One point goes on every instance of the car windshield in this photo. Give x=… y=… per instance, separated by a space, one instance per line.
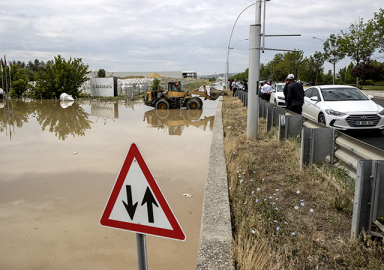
x=340 y=94
x=280 y=88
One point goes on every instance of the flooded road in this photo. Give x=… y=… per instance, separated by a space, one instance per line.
x=59 y=162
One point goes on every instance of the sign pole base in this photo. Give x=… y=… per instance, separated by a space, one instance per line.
x=141 y=251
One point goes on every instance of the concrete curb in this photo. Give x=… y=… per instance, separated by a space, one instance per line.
x=215 y=247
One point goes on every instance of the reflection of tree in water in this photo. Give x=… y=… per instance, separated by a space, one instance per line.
x=63 y=122
x=14 y=113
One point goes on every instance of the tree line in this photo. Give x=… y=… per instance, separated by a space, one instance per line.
x=359 y=43
x=49 y=79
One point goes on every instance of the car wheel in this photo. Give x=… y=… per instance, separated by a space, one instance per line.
x=321 y=119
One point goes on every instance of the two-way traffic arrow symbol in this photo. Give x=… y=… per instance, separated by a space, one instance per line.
x=148 y=199
x=131 y=208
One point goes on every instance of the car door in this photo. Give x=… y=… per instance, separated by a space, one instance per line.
x=307 y=104
x=313 y=105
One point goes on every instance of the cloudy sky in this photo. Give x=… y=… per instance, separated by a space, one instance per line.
x=167 y=35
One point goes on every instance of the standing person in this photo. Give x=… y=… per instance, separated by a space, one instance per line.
x=230 y=85
x=285 y=91
x=245 y=85
x=295 y=95
x=267 y=90
x=261 y=90
x=235 y=85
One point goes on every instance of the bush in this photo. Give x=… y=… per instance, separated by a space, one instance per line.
x=60 y=77
x=369 y=82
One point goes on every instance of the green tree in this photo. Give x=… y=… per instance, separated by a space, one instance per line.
x=155 y=84
x=332 y=53
x=19 y=81
x=376 y=29
x=279 y=71
x=293 y=62
x=60 y=77
x=101 y=73
x=357 y=43
x=312 y=67
x=241 y=76
x=368 y=70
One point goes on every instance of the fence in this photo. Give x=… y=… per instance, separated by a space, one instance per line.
x=363 y=162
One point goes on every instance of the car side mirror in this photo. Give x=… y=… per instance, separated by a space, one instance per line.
x=370 y=96
x=314 y=98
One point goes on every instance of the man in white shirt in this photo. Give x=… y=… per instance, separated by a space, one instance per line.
x=235 y=85
x=267 y=90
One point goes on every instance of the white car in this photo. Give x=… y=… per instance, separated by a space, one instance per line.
x=342 y=107
x=277 y=96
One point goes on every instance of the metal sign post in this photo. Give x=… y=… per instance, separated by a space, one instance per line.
x=141 y=251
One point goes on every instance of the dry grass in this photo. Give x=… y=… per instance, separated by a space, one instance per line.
x=284 y=217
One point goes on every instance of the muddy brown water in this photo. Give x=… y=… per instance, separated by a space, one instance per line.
x=59 y=162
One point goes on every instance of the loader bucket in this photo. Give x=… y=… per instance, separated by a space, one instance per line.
x=215 y=94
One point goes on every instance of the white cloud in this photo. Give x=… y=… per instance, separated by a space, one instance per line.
x=164 y=35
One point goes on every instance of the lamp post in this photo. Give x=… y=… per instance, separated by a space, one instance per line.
x=227 y=66
x=254 y=73
x=229 y=42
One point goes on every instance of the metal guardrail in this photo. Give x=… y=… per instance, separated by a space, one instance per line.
x=348 y=149
x=345 y=148
x=362 y=161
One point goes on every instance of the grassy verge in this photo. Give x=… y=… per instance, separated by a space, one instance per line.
x=284 y=217
x=373 y=87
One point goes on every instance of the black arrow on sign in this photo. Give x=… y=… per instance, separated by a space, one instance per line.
x=131 y=208
x=149 y=200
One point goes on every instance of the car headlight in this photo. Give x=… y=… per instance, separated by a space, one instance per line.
x=281 y=98
x=382 y=112
x=336 y=113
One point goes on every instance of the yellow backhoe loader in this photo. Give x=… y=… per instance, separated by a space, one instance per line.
x=176 y=97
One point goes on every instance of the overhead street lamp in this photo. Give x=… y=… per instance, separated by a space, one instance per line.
x=319 y=39
x=227 y=66
x=229 y=42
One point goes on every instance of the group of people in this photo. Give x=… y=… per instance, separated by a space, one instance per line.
x=234 y=85
x=265 y=90
x=293 y=92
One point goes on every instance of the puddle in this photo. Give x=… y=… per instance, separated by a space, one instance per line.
x=51 y=199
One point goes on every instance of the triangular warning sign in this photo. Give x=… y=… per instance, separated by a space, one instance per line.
x=136 y=202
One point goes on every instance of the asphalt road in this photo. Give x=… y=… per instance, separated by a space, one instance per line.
x=372 y=138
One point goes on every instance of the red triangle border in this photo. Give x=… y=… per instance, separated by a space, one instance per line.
x=177 y=232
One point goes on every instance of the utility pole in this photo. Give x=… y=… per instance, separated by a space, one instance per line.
x=254 y=75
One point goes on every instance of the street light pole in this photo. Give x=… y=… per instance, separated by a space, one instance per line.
x=254 y=74
x=230 y=38
x=227 y=65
